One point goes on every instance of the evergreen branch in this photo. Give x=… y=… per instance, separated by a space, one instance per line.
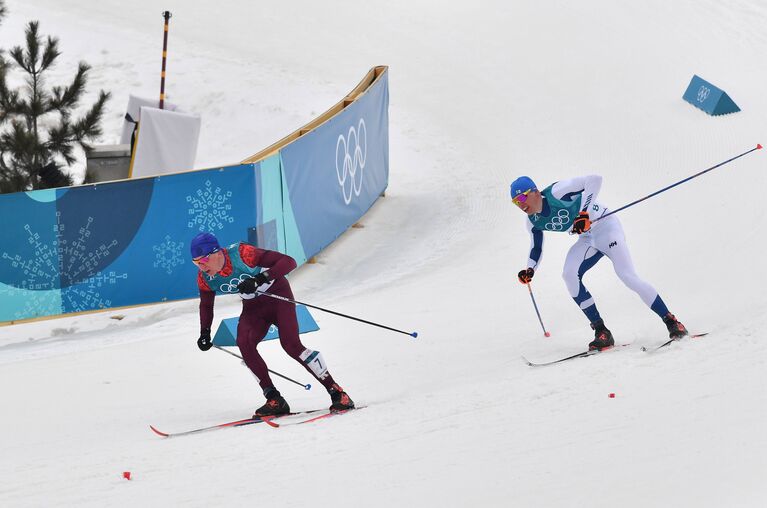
x=50 y=54
x=60 y=141
x=66 y=154
x=18 y=56
x=89 y=125
x=67 y=98
x=9 y=99
x=33 y=46
x=22 y=146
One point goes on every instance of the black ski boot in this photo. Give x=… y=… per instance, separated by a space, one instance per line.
x=676 y=330
x=341 y=400
x=275 y=405
x=602 y=336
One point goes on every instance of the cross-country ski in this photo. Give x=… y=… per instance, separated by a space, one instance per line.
x=271 y=420
x=303 y=418
x=673 y=339
x=582 y=354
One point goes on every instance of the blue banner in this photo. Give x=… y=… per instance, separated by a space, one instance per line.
x=335 y=173
x=127 y=243
x=116 y=244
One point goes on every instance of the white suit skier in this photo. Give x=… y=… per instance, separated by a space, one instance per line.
x=569 y=206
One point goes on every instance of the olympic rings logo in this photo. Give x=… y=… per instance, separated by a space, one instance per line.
x=558 y=222
x=231 y=286
x=349 y=164
x=703 y=93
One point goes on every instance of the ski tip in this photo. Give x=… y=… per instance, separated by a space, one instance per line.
x=414 y=334
x=159 y=433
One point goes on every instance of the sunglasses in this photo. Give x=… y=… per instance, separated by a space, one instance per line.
x=522 y=197
x=205 y=258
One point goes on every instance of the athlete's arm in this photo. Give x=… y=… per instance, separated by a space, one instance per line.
x=207 y=299
x=536 y=246
x=588 y=186
x=277 y=264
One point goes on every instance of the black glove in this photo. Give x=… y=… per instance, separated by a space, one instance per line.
x=248 y=286
x=204 y=342
x=582 y=223
x=526 y=275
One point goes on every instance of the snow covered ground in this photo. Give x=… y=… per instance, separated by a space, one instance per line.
x=480 y=93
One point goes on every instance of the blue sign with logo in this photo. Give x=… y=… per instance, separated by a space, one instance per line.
x=711 y=99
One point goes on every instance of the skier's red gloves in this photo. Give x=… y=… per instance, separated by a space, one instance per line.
x=582 y=223
x=526 y=275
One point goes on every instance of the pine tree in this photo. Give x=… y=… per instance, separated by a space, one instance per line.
x=38 y=134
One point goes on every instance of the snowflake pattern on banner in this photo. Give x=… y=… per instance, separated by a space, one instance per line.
x=168 y=255
x=44 y=271
x=86 y=295
x=210 y=208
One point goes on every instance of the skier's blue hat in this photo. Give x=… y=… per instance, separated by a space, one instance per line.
x=204 y=244
x=521 y=185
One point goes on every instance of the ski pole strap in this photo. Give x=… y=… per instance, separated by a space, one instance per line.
x=680 y=182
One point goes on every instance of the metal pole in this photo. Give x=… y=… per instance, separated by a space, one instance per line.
x=167 y=15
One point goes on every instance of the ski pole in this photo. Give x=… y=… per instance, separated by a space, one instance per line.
x=530 y=288
x=278 y=297
x=680 y=182
x=306 y=387
x=166 y=15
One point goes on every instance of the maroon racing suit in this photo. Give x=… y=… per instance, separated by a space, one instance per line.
x=259 y=313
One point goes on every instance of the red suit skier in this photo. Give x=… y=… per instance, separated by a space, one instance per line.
x=245 y=269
